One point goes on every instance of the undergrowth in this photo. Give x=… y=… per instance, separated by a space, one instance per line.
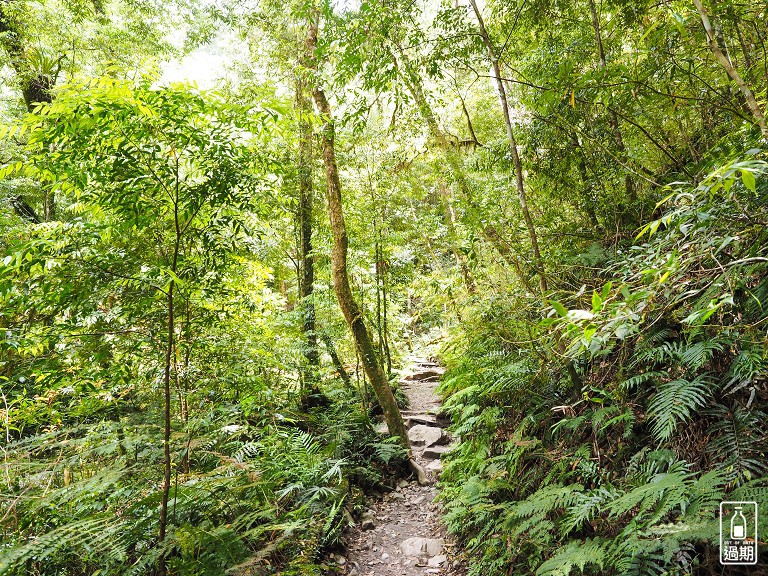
x=253 y=492
x=618 y=464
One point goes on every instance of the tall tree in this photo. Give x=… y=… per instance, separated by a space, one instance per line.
x=184 y=176
x=514 y=153
x=730 y=69
x=305 y=223
x=349 y=307
x=415 y=88
x=35 y=82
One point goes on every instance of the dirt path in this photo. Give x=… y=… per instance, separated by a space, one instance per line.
x=401 y=534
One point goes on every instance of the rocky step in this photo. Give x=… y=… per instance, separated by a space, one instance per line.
x=432 y=374
x=419 y=417
x=433 y=409
x=422 y=435
x=428 y=368
x=436 y=451
x=417 y=361
x=414 y=418
x=417 y=546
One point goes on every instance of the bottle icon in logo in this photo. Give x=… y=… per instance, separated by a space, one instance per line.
x=738 y=525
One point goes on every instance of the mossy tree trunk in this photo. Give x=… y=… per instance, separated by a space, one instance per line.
x=349 y=307
x=305 y=224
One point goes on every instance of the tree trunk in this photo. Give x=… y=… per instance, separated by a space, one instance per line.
x=589 y=203
x=35 y=87
x=521 y=194
x=381 y=301
x=382 y=269
x=24 y=210
x=307 y=276
x=488 y=231
x=450 y=222
x=170 y=346
x=337 y=364
x=377 y=275
x=613 y=119
x=752 y=104
x=349 y=306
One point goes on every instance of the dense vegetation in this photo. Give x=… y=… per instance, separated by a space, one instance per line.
x=570 y=198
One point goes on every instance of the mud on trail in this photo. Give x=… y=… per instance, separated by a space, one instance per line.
x=401 y=533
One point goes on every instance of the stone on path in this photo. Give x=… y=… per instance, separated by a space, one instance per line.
x=437 y=560
x=429 y=375
x=366 y=521
x=435 y=452
x=417 y=546
x=426 y=419
x=425 y=435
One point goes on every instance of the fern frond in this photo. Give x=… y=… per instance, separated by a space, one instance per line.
x=635 y=381
x=706 y=493
x=585 y=507
x=674 y=402
x=575 y=555
x=744 y=370
x=662 y=493
x=70 y=536
x=547 y=499
x=696 y=355
x=738 y=440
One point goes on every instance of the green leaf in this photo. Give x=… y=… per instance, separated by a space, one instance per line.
x=597 y=301
x=559 y=308
x=748 y=178
x=606 y=290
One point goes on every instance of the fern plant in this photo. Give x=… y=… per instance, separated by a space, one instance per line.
x=676 y=401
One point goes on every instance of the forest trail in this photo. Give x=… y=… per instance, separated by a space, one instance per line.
x=401 y=533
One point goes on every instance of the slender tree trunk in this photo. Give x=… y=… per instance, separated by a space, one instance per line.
x=723 y=60
x=337 y=363
x=382 y=269
x=468 y=119
x=349 y=307
x=589 y=203
x=377 y=270
x=450 y=221
x=169 y=350
x=745 y=50
x=307 y=277
x=510 y=257
x=488 y=232
x=539 y=262
x=185 y=382
x=387 y=348
x=613 y=118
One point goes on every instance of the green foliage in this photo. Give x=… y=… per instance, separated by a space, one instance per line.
x=562 y=480
x=161 y=187
x=676 y=401
x=601 y=420
x=242 y=493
